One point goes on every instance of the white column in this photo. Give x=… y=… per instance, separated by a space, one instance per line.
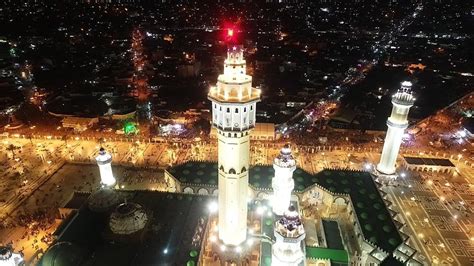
x=233 y=163
x=391 y=147
x=397 y=123
x=283 y=183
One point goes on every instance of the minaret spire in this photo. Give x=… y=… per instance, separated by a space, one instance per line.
x=397 y=123
x=233 y=115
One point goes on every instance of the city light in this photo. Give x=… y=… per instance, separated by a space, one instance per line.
x=250 y=242
x=260 y=210
x=213 y=238
x=182 y=126
x=368 y=166
x=213 y=207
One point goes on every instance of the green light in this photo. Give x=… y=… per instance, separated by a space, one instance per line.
x=130 y=128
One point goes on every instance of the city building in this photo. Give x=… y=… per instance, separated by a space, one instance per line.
x=397 y=123
x=104 y=160
x=234 y=103
x=283 y=183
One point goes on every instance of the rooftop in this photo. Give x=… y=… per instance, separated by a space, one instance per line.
x=369 y=205
x=332 y=234
x=428 y=161
x=337 y=256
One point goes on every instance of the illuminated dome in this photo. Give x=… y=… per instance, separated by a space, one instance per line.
x=5 y=253
x=9 y=258
x=103 y=157
x=404 y=95
x=103 y=200
x=285 y=158
x=290 y=219
x=128 y=218
x=63 y=254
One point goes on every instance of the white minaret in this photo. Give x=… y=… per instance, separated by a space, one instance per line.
x=283 y=183
x=397 y=123
x=233 y=115
x=289 y=234
x=103 y=161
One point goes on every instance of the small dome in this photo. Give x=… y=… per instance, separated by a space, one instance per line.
x=128 y=218
x=103 y=157
x=103 y=200
x=285 y=158
x=5 y=253
x=291 y=219
x=64 y=254
x=10 y=258
x=286 y=150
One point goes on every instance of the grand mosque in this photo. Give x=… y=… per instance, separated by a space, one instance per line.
x=232 y=213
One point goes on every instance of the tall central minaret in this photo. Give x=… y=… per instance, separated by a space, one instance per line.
x=233 y=115
x=397 y=123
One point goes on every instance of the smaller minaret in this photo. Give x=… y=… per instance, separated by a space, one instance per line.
x=397 y=123
x=103 y=161
x=10 y=258
x=289 y=234
x=283 y=183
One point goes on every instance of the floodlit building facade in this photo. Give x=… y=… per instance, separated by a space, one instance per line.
x=104 y=160
x=233 y=115
x=283 y=183
x=397 y=123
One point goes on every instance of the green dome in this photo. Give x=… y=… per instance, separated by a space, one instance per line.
x=193 y=253
x=64 y=254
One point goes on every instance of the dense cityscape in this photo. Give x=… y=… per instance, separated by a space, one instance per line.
x=141 y=132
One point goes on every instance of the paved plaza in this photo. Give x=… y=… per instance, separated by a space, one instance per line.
x=41 y=175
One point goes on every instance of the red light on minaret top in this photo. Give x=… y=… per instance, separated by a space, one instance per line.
x=229 y=33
